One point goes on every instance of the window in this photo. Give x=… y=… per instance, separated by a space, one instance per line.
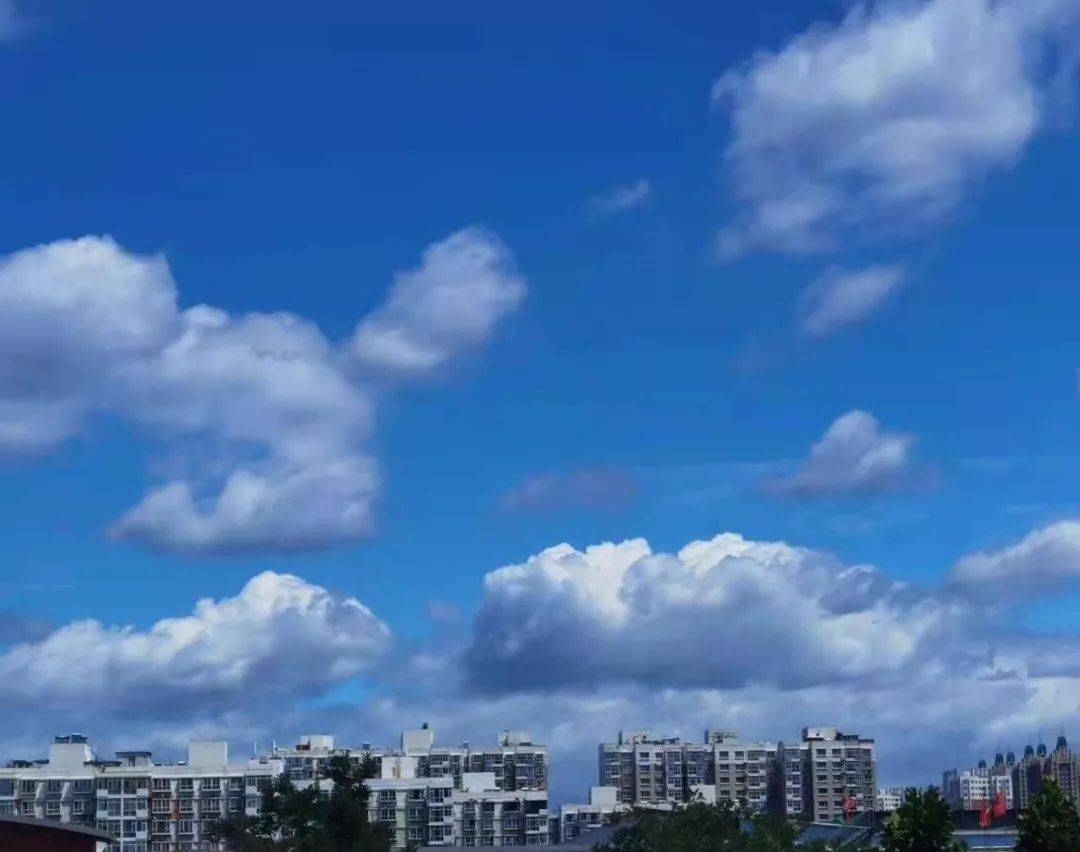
x=161 y=806
x=185 y=826
x=113 y=807
x=78 y=806
x=162 y=784
x=7 y=808
x=28 y=786
x=52 y=808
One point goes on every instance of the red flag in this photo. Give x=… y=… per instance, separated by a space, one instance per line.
x=999 y=809
x=984 y=816
x=851 y=804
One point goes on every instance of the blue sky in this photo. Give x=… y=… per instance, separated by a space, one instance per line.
x=658 y=374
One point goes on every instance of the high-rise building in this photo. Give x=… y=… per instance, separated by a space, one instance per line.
x=516 y=762
x=974 y=789
x=576 y=820
x=889 y=799
x=839 y=774
x=150 y=807
x=1037 y=764
x=169 y=807
x=763 y=775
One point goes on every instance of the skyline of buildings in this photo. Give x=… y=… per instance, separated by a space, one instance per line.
x=432 y=794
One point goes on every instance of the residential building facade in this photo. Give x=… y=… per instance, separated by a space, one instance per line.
x=974 y=789
x=170 y=807
x=820 y=777
x=576 y=820
x=839 y=774
x=150 y=807
x=1037 y=764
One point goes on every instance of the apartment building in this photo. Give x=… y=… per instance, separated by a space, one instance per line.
x=889 y=799
x=974 y=789
x=516 y=762
x=576 y=820
x=763 y=775
x=1037 y=764
x=169 y=807
x=150 y=807
x=839 y=774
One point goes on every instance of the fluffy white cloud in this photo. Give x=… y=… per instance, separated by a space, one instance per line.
x=280 y=414
x=843 y=297
x=234 y=654
x=618 y=612
x=1039 y=564
x=72 y=314
x=854 y=455
x=884 y=119
x=622 y=198
x=450 y=303
x=758 y=635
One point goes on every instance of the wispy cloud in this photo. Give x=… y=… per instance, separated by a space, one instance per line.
x=588 y=488
x=844 y=297
x=622 y=198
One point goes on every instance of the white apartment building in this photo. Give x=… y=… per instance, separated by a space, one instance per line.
x=889 y=799
x=150 y=807
x=646 y=771
x=163 y=807
x=516 y=762
x=575 y=820
x=974 y=789
x=839 y=768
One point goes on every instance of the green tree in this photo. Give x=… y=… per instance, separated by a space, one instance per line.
x=923 y=823
x=320 y=818
x=1051 y=822
x=702 y=827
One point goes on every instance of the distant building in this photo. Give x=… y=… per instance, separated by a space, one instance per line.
x=1037 y=765
x=827 y=776
x=165 y=807
x=147 y=806
x=575 y=820
x=840 y=774
x=974 y=789
x=889 y=799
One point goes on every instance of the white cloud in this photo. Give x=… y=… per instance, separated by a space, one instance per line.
x=620 y=613
x=622 y=198
x=1038 y=565
x=238 y=653
x=280 y=415
x=450 y=303
x=843 y=297
x=885 y=119
x=855 y=455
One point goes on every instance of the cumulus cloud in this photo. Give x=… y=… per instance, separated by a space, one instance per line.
x=450 y=303
x=622 y=198
x=283 y=413
x=616 y=635
x=237 y=653
x=572 y=645
x=587 y=488
x=855 y=455
x=845 y=297
x=886 y=118
x=1041 y=563
x=619 y=612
